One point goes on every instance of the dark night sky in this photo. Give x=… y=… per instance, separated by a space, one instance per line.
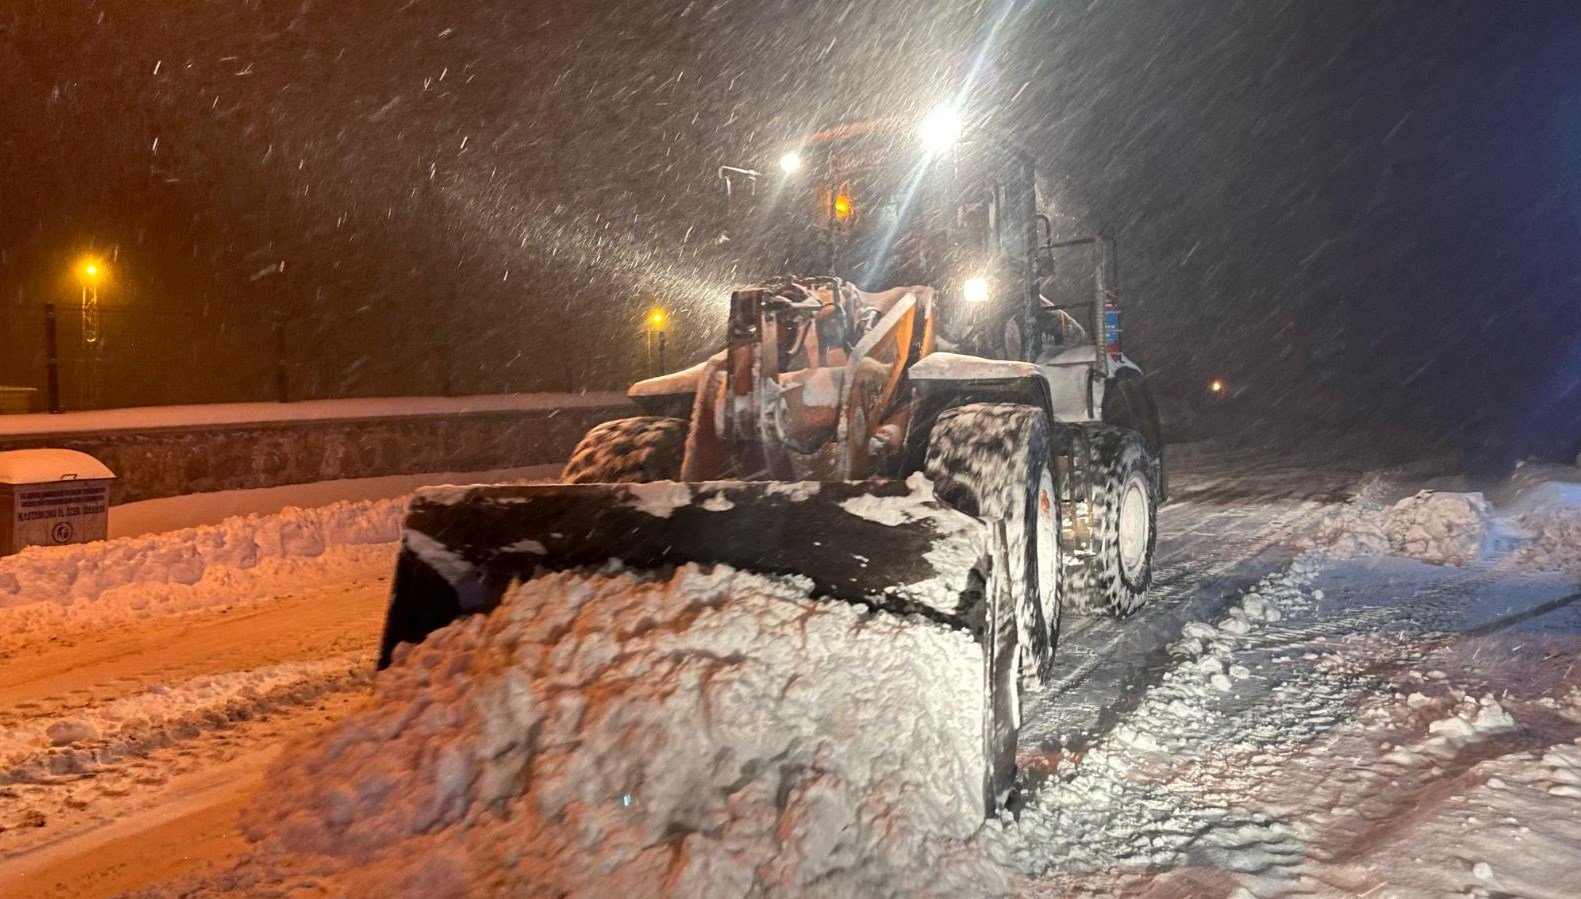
x=1364 y=213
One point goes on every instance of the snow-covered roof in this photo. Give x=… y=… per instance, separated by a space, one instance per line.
x=39 y=466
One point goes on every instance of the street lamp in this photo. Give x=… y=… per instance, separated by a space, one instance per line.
x=657 y=321
x=91 y=271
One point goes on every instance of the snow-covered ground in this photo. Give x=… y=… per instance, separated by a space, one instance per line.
x=1299 y=711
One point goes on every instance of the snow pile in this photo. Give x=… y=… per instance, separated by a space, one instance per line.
x=1439 y=528
x=713 y=734
x=1554 y=539
x=53 y=592
x=84 y=571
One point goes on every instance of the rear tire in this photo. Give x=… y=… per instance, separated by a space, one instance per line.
x=629 y=451
x=1119 y=566
x=992 y=460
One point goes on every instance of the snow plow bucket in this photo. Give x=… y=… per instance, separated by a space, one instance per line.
x=886 y=544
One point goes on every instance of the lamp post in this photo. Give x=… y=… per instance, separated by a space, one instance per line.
x=91 y=272
x=657 y=324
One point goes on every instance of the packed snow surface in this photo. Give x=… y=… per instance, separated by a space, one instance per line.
x=707 y=734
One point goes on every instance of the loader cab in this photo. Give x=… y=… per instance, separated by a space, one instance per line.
x=869 y=204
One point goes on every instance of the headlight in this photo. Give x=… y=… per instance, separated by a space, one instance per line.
x=942 y=129
x=975 y=290
x=790 y=163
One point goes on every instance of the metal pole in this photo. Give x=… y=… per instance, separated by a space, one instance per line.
x=52 y=352
x=661 y=352
x=282 y=374
x=447 y=386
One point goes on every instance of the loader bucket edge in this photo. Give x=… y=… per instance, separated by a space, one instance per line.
x=885 y=544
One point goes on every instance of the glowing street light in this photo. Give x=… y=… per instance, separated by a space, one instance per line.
x=790 y=163
x=1217 y=386
x=657 y=322
x=842 y=207
x=92 y=270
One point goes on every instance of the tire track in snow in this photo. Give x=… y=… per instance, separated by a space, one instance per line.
x=1104 y=666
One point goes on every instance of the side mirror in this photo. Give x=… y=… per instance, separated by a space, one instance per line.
x=728 y=175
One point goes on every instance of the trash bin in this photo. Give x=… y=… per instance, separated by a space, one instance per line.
x=16 y=400
x=50 y=497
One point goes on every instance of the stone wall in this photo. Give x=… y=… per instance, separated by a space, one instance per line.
x=160 y=462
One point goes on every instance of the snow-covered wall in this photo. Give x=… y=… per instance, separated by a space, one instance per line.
x=166 y=459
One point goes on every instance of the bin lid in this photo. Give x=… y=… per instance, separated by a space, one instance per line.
x=42 y=466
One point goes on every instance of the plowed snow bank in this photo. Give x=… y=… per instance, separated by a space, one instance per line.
x=84 y=571
x=713 y=734
x=58 y=590
x=1440 y=528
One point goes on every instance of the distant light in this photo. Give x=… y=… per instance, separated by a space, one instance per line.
x=91 y=269
x=1216 y=386
x=942 y=129
x=656 y=319
x=842 y=206
x=790 y=163
x=975 y=290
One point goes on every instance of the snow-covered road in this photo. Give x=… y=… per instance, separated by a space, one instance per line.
x=1276 y=720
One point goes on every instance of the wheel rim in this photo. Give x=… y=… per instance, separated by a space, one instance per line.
x=1048 y=550
x=1135 y=523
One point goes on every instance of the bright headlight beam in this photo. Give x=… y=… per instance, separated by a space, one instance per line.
x=975 y=290
x=790 y=163
x=941 y=129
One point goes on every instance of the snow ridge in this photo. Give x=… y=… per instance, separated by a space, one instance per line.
x=84 y=571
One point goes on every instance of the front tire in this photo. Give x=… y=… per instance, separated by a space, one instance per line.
x=992 y=460
x=629 y=451
x=1124 y=529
